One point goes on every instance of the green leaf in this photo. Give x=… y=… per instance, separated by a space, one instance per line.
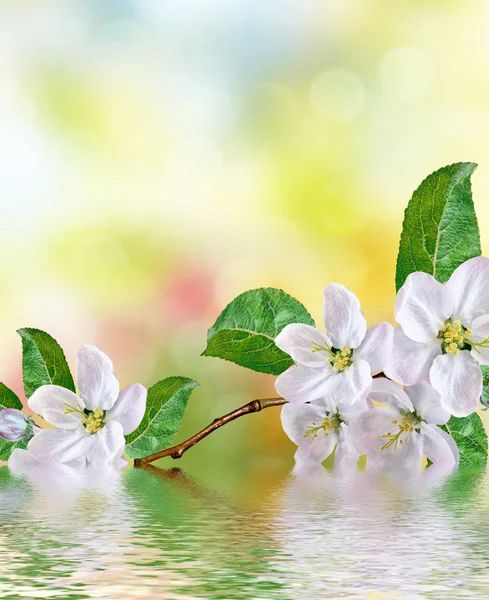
x=440 y=230
x=6 y=448
x=165 y=406
x=43 y=361
x=8 y=399
x=471 y=438
x=245 y=331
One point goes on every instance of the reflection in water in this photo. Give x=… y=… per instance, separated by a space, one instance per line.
x=161 y=534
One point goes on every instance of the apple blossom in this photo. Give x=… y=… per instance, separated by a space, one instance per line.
x=341 y=361
x=320 y=427
x=398 y=435
x=92 y=425
x=444 y=334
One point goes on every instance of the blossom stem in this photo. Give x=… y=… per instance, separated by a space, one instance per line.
x=179 y=450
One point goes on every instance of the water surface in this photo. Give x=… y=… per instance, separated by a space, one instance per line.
x=167 y=534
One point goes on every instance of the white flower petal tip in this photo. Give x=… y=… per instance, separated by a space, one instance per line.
x=107 y=445
x=422 y=307
x=343 y=317
x=21 y=462
x=410 y=361
x=388 y=392
x=58 y=445
x=303 y=384
x=305 y=344
x=376 y=347
x=441 y=449
x=97 y=384
x=57 y=406
x=427 y=403
x=469 y=286
x=129 y=408
x=458 y=381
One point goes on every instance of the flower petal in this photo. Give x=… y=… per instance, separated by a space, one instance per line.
x=376 y=347
x=95 y=377
x=296 y=420
x=410 y=361
x=365 y=429
x=387 y=392
x=107 y=445
x=469 y=286
x=52 y=402
x=301 y=342
x=422 y=307
x=451 y=442
x=404 y=462
x=129 y=408
x=437 y=448
x=304 y=384
x=458 y=380
x=348 y=410
x=21 y=462
x=345 y=458
x=480 y=329
x=427 y=403
x=343 y=317
x=58 y=445
x=351 y=384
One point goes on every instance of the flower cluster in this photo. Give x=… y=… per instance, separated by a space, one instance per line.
x=89 y=428
x=436 y=353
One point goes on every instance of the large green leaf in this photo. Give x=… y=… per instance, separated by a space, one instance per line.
x=245 y=331
x=471 y=438
x=43 y=361
x=165 y=406
x=8 y=399
x=440 y=229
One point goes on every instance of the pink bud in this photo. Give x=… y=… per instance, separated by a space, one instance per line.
x=15 y=426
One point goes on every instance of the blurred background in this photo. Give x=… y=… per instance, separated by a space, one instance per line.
x=158 y=157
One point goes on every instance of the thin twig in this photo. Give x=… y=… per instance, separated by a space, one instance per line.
x=179 y=450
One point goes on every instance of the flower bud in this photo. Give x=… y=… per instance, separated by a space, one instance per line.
x=15 y=426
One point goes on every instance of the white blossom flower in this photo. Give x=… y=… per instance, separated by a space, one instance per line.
x=398 y=435
x=320 y=427
x=341 y=361
x=444 y=334
x=89 y=426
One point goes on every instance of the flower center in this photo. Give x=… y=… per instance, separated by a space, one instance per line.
x=94 y=421
x=454 y=338
x=339 y=359
x=328 y=424
x=405 y=426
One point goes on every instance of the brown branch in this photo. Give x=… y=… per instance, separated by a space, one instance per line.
x=179 y=450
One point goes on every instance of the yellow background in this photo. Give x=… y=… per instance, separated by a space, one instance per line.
x=157 y=158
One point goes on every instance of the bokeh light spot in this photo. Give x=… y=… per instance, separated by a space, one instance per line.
x=337 y=95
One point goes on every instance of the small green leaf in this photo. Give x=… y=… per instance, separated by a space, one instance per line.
x=43 y=361
x=8 y=399
x=245 y=331
x=165 y=406
x=440 y=230
x=6 y=448
x=471 y=438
